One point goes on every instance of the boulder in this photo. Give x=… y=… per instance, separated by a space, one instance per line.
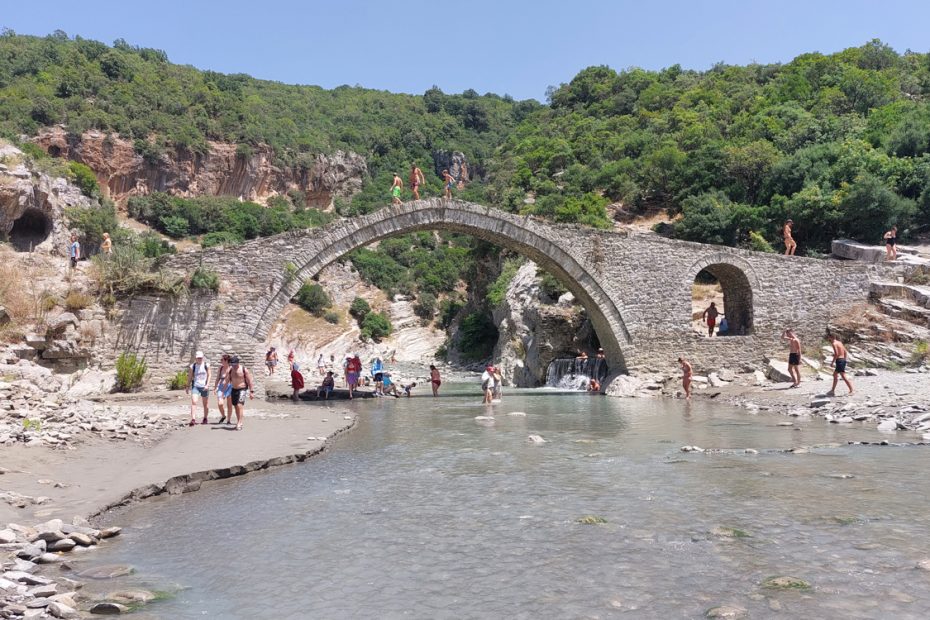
x=777 y=371
x=623 y=385
x=60 y=610
x=108 y=608
x=888 y=425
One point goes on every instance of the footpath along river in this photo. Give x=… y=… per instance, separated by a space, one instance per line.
x=425 y=512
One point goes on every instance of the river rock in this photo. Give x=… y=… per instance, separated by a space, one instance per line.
x=131 y=597
x=517 y=414
x=726 y=611
x=819 y=402
x=536 y=439
x=785 y=582
x=85 y=540
x=888 y=425
x=759 y=378
x=715 y=380
x=60 y=610
x=108 y=608
x=7 y=536
x=26 y=578
x=65 y=544
x=110 y=532
x=107 y=571
x=48 y=558
x=44 y=591
x=777 y=371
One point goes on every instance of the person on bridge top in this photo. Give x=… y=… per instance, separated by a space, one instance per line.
x=416 y=179
x=891 y=243
x=790 y=245
x=839 y=364
x=449 y=183
x=396 y=186
x=710 y=315
x=794 y=357
x=686 y=373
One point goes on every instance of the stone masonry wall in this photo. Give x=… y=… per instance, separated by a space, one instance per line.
x=635 y=287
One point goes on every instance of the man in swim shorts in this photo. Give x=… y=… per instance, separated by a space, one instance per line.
x=241 y=380
x=839 y=364
x=396 y=186
x=416 y=179
x=794 y=357
x=449 y=183
x=710 y=315
x=434 y=379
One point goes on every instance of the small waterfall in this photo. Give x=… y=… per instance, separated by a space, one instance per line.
x=571 y=373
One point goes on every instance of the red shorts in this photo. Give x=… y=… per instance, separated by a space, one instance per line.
x=711 y=322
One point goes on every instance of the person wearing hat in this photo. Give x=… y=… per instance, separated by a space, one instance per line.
x=353 y=373
x=487 y=384
x=198 y=377
x=241 y=380
x=790 y=245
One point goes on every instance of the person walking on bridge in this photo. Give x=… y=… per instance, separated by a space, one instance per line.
x=790 y=245
x=396 y=186
x=416 y=180
x=794 y=356
x=449 y=183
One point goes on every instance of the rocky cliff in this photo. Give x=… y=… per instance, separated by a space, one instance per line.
x=224 y=170
x=32 y=204
x=533 y=333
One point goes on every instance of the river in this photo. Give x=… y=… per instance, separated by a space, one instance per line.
x=424 y=512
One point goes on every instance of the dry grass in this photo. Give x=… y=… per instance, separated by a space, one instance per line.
x=705 y=292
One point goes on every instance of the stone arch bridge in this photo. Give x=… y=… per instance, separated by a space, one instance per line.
x=635 y=287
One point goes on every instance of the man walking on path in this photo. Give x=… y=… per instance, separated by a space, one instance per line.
x=790 y=245
x=396 y=186
x=416 y=179
x=74 y=251
x=710 y=315
x=794 y=356
x=839 y=365
x=686 y=373
x=198 y=378
x=241 y=380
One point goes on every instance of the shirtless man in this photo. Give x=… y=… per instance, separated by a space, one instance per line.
x=794 y=357
x=891 y=243
x=686 y=373
x=790 y=245
x=839 y=365
x=416 y=179
x=710 y=315
x=448 y=182
x=396 y=186
x=434 y=379
x=241 y=380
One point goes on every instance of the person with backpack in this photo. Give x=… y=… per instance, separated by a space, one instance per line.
x=223 y=390
x=353 y=373
x=198 y=377
x=297 y=379
x=242 y=381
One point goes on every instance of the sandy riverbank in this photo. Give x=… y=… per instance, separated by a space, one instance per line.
x=98 y=473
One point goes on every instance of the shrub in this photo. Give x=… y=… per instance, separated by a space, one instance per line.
x=178 y=381
x=92 y=222
x=498 y=289
x=425 y=307
x=174 y=226
x=130 y=370
x=359 y=309
x=759 y=243
x=550 y=287
x=127 y=271
x=921 y=352
x=77 y=301
x=225 y=238
x=205 y=279
x=477 y=336
x=312 y=298
x=82 y=176
x=376 y=326
x=153 y=246
x=448 y=310
x=331 y=317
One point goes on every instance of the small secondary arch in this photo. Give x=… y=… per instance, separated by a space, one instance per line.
x=738 y=281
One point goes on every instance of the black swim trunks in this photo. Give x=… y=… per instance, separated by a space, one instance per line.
x=379 y=377
x=891 y=241
x=841 y=365
x=238 y=395
x=794 y=359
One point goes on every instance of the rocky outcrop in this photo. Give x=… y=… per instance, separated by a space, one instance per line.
x=224 y=170
x=32 y=204
x=453 y=161
x=532 y=333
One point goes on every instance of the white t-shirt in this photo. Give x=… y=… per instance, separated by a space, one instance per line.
x=487 y=380
x=200 y=374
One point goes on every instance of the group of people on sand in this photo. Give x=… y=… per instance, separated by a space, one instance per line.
x=890 y=238
x=232 y=383
x=838 y=363
x=416 y=179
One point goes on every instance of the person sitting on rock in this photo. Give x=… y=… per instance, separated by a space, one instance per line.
x=388 y=386
x=329 y=383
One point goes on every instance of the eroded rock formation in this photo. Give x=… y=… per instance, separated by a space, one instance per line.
x=222 y=171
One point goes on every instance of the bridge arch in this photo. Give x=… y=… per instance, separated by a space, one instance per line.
x=738 y=280
x=520 y=234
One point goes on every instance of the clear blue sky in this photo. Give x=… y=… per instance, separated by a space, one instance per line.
x=501 y=46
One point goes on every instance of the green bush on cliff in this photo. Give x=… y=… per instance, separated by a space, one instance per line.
x=84 y=178
x=312 y=298
x=205 y=280
x=130 y=370
x=376 y=326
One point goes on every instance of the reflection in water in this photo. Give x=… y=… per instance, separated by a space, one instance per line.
x=421 y=512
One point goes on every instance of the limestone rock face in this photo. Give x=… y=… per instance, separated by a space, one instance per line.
x=32 y=204
x=532 y=334
x=453 y=161
x=222 y=171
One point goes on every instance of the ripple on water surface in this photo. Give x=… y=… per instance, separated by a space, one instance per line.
x=420 y=512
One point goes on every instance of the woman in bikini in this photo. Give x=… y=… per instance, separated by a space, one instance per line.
x=223 y=391
x=891 y=243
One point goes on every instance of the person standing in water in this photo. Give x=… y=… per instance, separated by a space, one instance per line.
x=487 y=384
x=416 y=180
x=241 y=380
x=891 y=244
x=396 y=186
x=794 y=357
x=790 y=245
x=838 y=363
x=498 y=385
x=434 y=379
x=686 y=373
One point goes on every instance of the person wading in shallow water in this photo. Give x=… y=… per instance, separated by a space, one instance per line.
x=434 y=379
x=686 y=373
x=794 y=357
x=710 y=315
x=839 y=365
x=241 y=380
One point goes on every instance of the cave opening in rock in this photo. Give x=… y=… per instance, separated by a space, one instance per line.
x=29 y=230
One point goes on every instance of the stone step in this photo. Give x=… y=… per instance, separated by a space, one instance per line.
x=920 y=295
x=900 y=308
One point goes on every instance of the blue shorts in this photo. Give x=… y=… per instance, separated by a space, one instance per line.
x=840 y=365
x=200 y=391
x=224 y=390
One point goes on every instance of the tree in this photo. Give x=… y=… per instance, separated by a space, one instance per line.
x=359 y=309
x=748 y=166
x=312 y=298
